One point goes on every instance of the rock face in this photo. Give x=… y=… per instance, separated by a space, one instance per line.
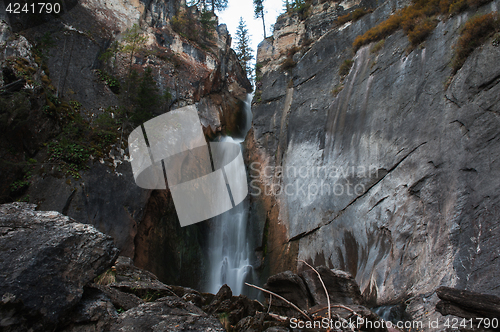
x=63 y=57
x=394 y=179
x=46 y=259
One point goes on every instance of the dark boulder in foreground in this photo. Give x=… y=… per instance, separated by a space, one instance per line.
x=45 y=260
x=291 y=287
x=341 y=286
x=167 y=314
x=467 y=304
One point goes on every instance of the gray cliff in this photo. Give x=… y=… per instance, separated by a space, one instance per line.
x=391 y=173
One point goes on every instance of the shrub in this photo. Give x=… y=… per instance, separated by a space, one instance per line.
x=345 y=67
x=336 y=90
x=106 y=278
x=475 y=32
x=380 y=31
x=477 y=3
x=420 y=31
x=496 y=40
x=71 y=153
x=457 y=6
x=147 y=100
x=353 y=16
x=417 y=20
x=185 y=24
x=113 y=83
x=208 y=25
x=301 y=7
x=378 y=46
x=359 y=13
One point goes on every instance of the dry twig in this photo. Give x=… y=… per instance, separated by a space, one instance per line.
x=281 y=298
x=324 y=287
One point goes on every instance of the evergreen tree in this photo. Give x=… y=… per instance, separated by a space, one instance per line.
x=213 y=5
x=218 y=5
x=147 y=99
x=134 y=41
x=259 y=13
x=243 y=50
x=287 y=6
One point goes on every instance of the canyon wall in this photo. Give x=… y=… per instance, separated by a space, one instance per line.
x=389 y=171
x=61 y=58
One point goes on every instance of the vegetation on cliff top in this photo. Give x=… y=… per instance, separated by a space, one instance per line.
x=417 y=20
x=353 y=16
x=475 y=32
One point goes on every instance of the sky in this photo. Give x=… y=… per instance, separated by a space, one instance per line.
x=244 y=8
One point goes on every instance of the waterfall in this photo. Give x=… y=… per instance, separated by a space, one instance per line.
x=229 y=245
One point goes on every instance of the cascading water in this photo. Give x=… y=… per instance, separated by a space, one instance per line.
x=230 y=252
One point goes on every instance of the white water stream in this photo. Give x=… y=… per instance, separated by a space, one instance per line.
x=230 y=252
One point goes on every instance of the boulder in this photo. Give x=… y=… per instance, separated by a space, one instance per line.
x=166 y=314
x=45 y=260
x=94 y=313
x=232 y=308
x=467 y=304
x=291 y=287
x=261 y=322
x=341 y=286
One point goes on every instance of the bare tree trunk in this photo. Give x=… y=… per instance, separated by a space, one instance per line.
x=263 y=23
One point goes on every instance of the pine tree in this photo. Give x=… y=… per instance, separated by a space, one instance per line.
x=259 y=12
x=214 y=5
x=243 y=50
x=218 y=5
x=134 y=42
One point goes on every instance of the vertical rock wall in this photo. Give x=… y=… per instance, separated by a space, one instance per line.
x=391 y=173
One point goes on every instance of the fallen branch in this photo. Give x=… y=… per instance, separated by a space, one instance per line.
x=324 y=287
x=278 y=317
x=281 y=298
x=338 y=306
x=346 y=308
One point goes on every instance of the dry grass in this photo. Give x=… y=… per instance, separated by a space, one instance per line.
x=106 y=278
x=353 y=16
x=336 y=90
x=475 y=32
x=345 y=67
x=378 y=46
x=417 y=20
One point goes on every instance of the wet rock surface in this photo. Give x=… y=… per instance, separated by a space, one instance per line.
x=420 y=151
